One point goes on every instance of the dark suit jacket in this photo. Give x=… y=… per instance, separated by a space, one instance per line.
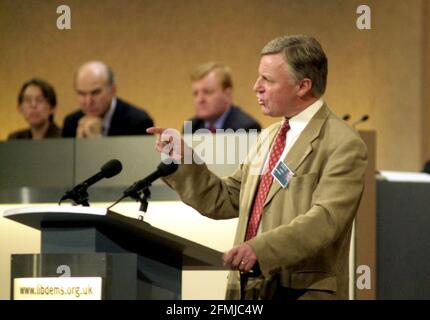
x=426 y=168
x=53 y=132
x=127 y=120
x=236 y=119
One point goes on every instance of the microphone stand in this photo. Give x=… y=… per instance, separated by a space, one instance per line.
x=361 y=120
x=78 y=196
x=141 y=196
x=139 y=191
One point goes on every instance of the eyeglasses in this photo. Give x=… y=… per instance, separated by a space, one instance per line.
x=30 y=101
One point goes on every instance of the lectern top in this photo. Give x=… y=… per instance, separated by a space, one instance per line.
x=33 y=216
x=131 y=234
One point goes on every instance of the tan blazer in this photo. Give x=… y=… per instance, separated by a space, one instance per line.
x=306 y=227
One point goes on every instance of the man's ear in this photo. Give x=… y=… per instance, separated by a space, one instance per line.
x=229 y=93
x=305 y=87
x=113 y=89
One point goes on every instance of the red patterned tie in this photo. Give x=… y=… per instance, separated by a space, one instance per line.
x=266 y=181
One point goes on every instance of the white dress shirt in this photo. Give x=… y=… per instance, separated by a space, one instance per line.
x=298 y=123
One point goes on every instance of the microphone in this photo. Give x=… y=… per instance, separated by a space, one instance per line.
x=139 y=190
x=79 y=193
x=162 y=171
x=346 y=117
x=362 y=119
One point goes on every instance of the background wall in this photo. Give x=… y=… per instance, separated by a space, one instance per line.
x=153 y=45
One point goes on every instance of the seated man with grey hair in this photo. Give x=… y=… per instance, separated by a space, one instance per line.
x=212 y=88
x=101 y=112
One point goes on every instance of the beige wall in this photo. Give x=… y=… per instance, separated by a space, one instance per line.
x=152 y=46
x=426 y=82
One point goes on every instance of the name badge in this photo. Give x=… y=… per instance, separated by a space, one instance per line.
x=282 y=174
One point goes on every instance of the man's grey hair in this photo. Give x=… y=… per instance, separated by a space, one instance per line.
x=305 y=57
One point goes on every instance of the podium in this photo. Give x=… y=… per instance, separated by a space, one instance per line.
x=134 y=259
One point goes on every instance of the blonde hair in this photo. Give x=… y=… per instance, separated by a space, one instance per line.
x=223 y=71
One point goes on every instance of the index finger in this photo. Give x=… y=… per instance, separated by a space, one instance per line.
x=156 y=130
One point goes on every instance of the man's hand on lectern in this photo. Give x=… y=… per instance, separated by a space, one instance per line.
x=241 y=257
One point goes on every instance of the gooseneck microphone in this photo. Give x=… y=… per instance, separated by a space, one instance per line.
x=79 y=194
x=140 y=189
x=162 y=171
x=364 y=118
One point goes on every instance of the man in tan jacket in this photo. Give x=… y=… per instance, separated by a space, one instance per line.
x=296 y=213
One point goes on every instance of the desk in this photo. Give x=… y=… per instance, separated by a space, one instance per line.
x=403 y=240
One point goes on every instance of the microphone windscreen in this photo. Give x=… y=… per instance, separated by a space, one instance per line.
x=346 y=117
x=167 y=169
x=111 y=168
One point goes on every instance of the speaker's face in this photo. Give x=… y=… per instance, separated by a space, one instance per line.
x=278 y=92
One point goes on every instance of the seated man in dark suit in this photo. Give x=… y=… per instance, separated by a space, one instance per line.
x=212 y=88
x=426 y=168
x=102 y=113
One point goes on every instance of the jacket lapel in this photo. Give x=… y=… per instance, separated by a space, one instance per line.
x=116 y=121
x=301 y=148
x=231 y=121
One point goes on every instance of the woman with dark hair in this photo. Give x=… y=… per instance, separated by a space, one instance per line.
x=37 y=103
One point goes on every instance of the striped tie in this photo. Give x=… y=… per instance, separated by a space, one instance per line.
x=266 y=182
